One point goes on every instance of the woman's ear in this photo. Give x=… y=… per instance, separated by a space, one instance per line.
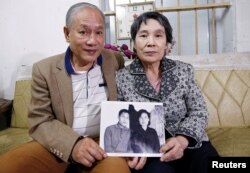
x=166 y=46
x=167 y=51
x=66 y=33
x=134 y=46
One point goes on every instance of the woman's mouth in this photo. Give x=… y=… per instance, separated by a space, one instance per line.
x=150 y=53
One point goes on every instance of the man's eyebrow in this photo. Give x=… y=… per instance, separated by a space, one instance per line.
x=87 y=26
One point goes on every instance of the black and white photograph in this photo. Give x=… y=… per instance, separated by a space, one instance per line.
x=132 y=129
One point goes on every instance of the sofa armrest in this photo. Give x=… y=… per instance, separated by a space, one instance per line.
x=5 y=113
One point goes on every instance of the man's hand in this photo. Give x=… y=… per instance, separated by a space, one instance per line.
x=87 y=151
x=173 y=148
x=136 y=163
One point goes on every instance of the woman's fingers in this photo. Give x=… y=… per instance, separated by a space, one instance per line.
x=172 y=150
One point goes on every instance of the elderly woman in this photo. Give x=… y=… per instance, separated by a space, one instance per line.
x=153 y=78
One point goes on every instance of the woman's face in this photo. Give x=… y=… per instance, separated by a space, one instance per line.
x=144 y=120
x=151 y=42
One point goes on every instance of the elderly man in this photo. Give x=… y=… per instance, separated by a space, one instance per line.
x=64 y=112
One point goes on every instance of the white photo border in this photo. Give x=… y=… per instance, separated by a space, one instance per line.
x=111 y=109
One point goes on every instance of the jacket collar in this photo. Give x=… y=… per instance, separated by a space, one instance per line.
x=142 y=85
x=136 y=66
x=65 y=83
x=68 y=65
x=108 y=68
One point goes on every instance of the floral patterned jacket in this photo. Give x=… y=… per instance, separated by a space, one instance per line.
x=185 y=110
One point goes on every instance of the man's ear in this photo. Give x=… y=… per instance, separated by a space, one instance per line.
x=66 y=33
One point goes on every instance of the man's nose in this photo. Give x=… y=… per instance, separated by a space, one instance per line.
x=92 y=38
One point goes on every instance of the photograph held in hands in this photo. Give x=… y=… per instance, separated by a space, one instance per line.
x=132 y=129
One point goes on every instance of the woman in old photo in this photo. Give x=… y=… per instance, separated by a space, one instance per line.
x=144 y=139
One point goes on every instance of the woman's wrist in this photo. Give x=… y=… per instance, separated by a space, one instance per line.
x=183 y=141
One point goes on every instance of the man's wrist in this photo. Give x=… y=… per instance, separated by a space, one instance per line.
x=71 y=160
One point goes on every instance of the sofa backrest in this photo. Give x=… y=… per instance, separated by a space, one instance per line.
x=22 y=97
x=224 y=80
x=225 y=83
x=227 y=95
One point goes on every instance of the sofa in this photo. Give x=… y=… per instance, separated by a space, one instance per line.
x=225 y=83
x=15 y=132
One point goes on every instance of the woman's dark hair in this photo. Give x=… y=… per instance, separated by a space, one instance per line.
x=152 y=15
x=141 y=111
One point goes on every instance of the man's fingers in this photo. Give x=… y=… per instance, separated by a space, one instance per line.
x=132 y=162
x=141 y=163
x=87 y=151
x=97 y=152
x=87 y=161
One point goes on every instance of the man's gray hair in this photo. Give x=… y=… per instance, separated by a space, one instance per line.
x=77 y=7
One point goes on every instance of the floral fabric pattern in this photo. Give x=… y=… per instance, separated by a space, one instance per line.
x=184 y=106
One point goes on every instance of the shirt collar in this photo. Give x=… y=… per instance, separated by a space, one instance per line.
x=68 y=64
x=121 y=126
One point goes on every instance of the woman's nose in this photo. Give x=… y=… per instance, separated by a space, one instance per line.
x=151 y=41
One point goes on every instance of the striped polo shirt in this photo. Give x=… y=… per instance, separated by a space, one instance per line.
x=89 y=90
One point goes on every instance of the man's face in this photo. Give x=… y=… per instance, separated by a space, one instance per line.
x=124 y=119
x=86 y=36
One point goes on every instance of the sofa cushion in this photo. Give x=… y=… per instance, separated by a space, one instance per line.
x=13 y=137
x=227 y=95
x=230 y=141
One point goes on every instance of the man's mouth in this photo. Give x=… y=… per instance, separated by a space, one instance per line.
x=91 y=51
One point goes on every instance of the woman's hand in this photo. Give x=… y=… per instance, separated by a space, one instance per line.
x=173 y=148
x=136 y=163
